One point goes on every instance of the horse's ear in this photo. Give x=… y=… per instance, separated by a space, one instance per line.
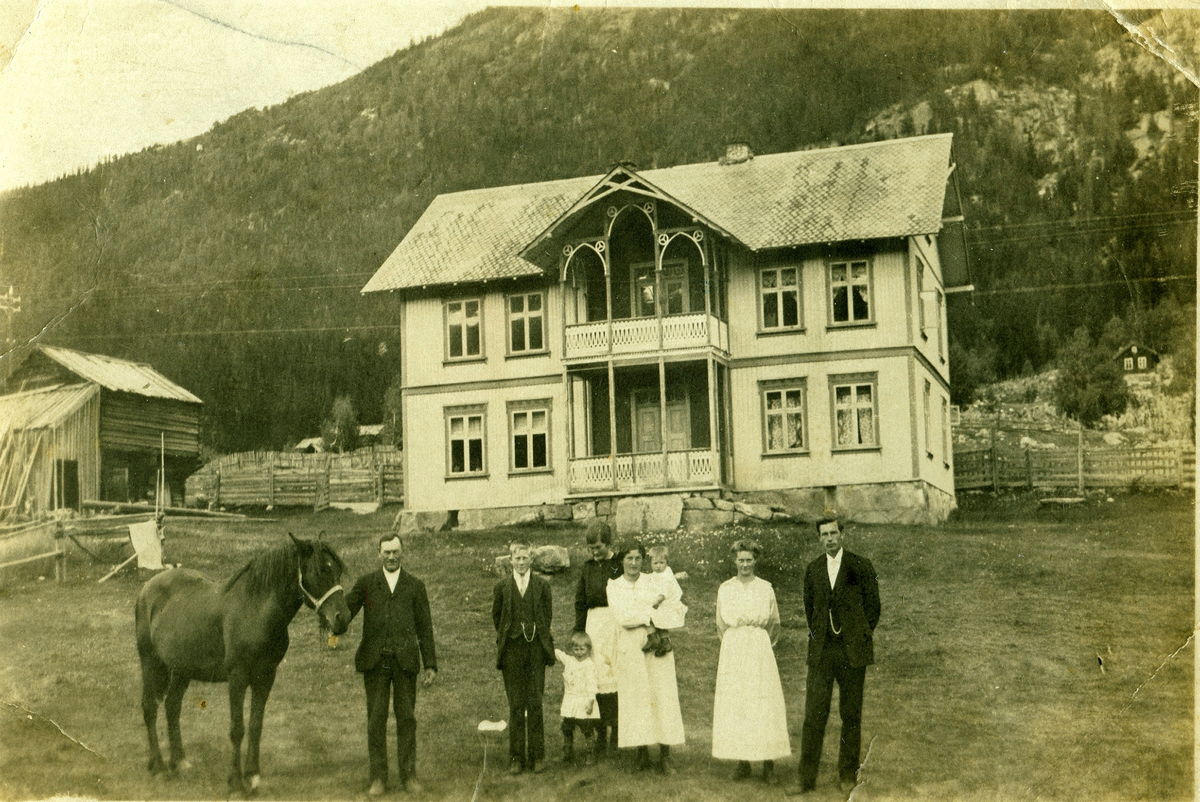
x=320 y=536
x=303 y=545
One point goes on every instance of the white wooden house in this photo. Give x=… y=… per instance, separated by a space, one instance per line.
x=768 y=326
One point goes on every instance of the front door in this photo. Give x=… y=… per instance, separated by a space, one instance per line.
x=647 y=423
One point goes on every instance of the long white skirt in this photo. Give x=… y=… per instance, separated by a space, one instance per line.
x=602 y=628
x=749 y=716
x=647 y=694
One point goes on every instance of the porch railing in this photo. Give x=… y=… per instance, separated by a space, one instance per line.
x=680 y=468
x=635 y=335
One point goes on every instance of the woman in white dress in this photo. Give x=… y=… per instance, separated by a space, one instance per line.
x=749 y=716
x=647 y=694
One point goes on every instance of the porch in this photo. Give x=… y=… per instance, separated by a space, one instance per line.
x=645 y=427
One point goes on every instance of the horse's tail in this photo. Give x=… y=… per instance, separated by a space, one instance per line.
x=155 y=672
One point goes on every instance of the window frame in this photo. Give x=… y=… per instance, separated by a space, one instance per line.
x=778 y=292
x=946 y=438
x=854 y=380
x=528 y=407
x=1142 y=363
x=928 y=407
x=525 y=317
x=941 y=325
x=447 y=322
x=849 y=262
x=922 y=323
x=466 y=412
x=783 y=386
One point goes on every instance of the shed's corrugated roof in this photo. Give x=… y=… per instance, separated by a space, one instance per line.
x=44 y=407
x=119 y=374
x=894 y=188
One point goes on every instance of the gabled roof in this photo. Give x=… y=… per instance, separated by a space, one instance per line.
x=1145 y=349
x=44 y=407
x=894 y=188
x=118 y=374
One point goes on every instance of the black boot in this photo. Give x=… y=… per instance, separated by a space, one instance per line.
x=665 y=765
x=643 y=758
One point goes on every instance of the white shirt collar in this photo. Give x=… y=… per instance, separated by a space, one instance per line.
x=522 y=581
x=392 y=578
x=833 y=565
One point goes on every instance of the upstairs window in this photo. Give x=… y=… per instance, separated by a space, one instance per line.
x=850 y=292
x=928 y=420
x=1128 y=363
x=779 y=290
x=464 y=339
x=921 y=298
x=854 y=412
x=1141 y=363
x=465 y=442
x=526 y=323
x=946 y=432
x=941 y=302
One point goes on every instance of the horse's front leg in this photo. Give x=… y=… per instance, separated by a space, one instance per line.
x=174 y=704
x=260 y=689
x=238 y=681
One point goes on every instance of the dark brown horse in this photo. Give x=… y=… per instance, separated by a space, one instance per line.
x=190 y=628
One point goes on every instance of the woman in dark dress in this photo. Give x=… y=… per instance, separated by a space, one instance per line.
x=593 y=617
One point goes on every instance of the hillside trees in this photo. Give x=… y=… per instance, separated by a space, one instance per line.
x=1089 y=385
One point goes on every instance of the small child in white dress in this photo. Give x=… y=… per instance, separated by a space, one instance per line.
x=579 y=709
x=671 y=611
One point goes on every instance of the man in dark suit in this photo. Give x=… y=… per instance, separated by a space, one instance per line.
x=521 y=611
x=397 y=646
x=841 y=602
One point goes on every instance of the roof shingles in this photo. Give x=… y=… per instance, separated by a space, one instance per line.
x=876 y=190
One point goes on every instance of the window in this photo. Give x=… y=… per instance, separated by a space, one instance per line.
x=854 y=412
x=779 y=288
x=526 y=329
x=465 y=450
x=850 y=291
x=941 y=300
x=946 y=432
x=783 y=405
x=463 y=338
x=928 y=421
x=921 y=297
x=1141 y=363
x=675 y=287
x=529 y=435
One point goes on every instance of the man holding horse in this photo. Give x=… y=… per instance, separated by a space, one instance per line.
x=397 y=647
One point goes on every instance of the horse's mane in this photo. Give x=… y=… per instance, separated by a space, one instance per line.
x=275 y=566
x=267 y=570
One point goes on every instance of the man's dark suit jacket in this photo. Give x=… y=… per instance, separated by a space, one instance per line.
x=503 y=599
x=854 y=601
x=397 y=622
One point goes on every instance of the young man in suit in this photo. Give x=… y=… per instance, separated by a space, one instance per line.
x=397 y=646
x=841 y=602
x=521 y=612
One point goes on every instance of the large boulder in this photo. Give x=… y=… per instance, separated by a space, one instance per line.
x=583 y=511
x=494 y=517
x=697 y=503
x=640 y=514
x=706 y=520
x=409 y=522
x=761 y=512
x=551 y=559
x=557 y=512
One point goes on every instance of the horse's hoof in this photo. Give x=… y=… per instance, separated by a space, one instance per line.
x=156 y=766
x=255 y=779
x=183 y=765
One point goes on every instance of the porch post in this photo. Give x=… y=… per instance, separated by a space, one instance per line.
x=612 y=416
x=662 y=414
x=608 y=308
x=568 y=397
x=708 y=280
x=713 y=441
x=726 y=405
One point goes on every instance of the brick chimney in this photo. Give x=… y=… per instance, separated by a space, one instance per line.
x=736 y=153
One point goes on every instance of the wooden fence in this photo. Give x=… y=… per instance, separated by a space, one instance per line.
x=1001 y=467
x=282 y=479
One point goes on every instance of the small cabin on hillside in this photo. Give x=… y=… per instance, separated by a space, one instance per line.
x=771 y=327
x=80 y=427
x=1134 y=359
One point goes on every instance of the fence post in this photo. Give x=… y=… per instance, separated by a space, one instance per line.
x=217 y=490
x=271 y=480
x=1029 y=467
x=1079 y=457
x=379 y=484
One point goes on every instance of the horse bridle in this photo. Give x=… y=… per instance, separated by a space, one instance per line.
x=313 y=600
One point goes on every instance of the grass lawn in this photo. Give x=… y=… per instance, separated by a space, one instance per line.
x=988 y=682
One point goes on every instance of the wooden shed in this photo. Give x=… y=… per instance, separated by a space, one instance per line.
x=76 y=427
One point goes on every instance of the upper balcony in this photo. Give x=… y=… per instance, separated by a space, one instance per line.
x=645 y=334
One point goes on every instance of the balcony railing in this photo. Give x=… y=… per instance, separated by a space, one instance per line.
x=640 y=334
x=680 y=468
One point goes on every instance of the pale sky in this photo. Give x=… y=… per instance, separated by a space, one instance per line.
x=85 y=79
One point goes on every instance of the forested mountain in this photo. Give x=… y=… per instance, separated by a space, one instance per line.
x=233 y=261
